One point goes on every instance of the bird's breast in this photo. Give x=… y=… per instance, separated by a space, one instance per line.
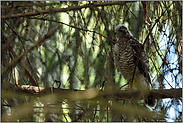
x=124 y=61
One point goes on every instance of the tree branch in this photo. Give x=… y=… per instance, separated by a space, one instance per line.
x=38 y=43
x=60 y=9
x=93 y=93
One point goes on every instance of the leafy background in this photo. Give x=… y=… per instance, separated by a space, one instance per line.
x=77 y=54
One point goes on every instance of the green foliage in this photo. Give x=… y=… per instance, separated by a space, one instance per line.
x=79 y=55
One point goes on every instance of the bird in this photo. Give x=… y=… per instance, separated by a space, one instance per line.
x=126 y=52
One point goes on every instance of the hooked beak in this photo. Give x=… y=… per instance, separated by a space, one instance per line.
x=115 y=32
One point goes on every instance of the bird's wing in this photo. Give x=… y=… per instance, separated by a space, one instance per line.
x=143 y=63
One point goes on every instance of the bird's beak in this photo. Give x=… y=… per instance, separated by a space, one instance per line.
x=115 y=32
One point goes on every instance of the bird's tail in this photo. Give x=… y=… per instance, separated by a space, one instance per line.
x=151 y=102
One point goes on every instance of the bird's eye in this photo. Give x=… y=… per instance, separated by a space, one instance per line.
x=122 y=27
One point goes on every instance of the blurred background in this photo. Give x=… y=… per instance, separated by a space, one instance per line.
x=68 y=45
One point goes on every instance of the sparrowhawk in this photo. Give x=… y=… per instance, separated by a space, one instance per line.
x=126 y=52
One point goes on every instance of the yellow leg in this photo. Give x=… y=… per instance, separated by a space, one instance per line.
x=130 y=85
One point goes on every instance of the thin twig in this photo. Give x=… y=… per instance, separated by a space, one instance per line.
x=136 y=63
x=71 y=8
x=19 y=57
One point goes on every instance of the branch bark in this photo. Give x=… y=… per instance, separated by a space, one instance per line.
x=93 y=93
x=4 y=17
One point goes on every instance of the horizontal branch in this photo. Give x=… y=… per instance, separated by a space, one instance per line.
x=16 y=5
x=93 y=93
x=155 y=94
x=60 y=9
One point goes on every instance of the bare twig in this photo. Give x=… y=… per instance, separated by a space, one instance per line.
x=45 y=19
x=60 y=10
x=38 y=43
x=136 y=63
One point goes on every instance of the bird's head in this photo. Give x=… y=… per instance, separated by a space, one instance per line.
x=121 y=31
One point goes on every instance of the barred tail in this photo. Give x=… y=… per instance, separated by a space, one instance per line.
x=151 y=102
